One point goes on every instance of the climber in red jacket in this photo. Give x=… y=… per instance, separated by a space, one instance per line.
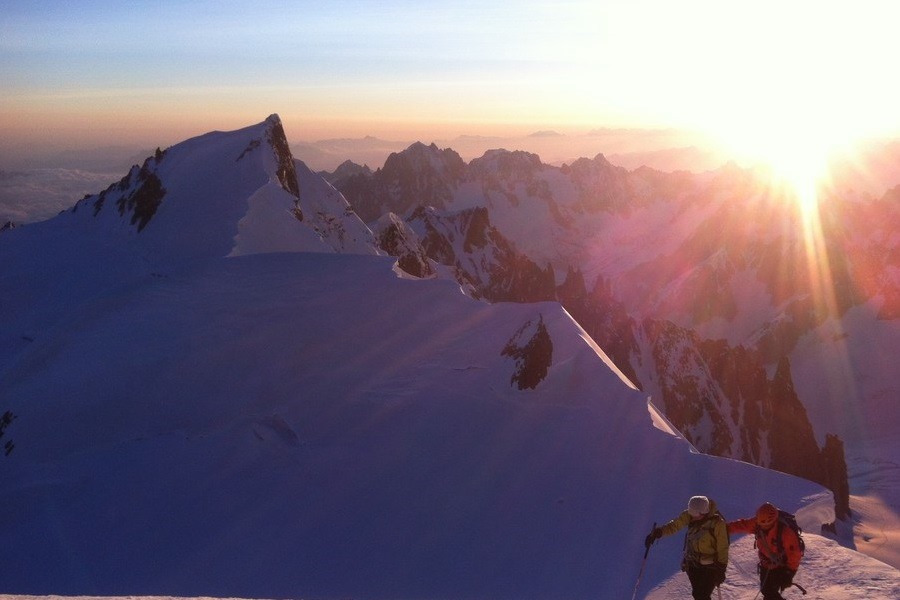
x=780 y=549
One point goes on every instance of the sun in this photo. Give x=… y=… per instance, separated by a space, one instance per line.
x=784 y=85
x=795 y=154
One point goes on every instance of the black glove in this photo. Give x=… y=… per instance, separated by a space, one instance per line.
x=652 y=537
x=719 y=577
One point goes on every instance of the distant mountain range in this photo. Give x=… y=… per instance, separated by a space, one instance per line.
x=663 y=149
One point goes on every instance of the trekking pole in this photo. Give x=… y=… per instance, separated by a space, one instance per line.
x=641 y=572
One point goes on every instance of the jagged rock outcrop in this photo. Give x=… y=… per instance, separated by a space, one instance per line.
x=531 y=348
x=285 y=170
x=741 y=375
x=481 y=255
x=603 y=317
x=723 y=402
x=142 y=200
x=790 y=434
x=836 y=477
x=397 y=239
x=419 y=176
x=137 y=195
x=5 y=421
x=870 y=247
x=683 y=385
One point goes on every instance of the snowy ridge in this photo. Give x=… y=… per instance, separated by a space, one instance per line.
x=329 y=214
x=411 y=453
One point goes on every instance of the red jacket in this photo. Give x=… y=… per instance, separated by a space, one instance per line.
x=767 y=543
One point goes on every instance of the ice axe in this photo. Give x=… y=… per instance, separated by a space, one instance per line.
x=643 y=564
x=799 y=587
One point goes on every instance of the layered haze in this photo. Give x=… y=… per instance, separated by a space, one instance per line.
x=97 y=74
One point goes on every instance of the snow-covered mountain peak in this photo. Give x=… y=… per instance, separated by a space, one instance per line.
x=224 y=193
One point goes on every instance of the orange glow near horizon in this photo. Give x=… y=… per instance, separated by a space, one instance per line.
x=82 y=75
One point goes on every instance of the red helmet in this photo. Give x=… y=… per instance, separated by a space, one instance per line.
x=766 y=515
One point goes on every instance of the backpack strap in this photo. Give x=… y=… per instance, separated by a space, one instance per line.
x=708 y=524
x=775 y=555
x=779 y=538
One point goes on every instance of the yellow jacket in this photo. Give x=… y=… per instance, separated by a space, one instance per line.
x=706 y=541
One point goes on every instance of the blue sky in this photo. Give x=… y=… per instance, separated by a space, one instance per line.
x=102 y=70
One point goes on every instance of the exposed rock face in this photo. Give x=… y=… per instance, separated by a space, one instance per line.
x=794 y=448
x=5 y=421
x=836 y=478
x=510 y=173
x=532 y=350
x=138 y=194
x=480 y=254
x=144 y=199
x=694 y=402
x=284 y=161
x=601 y=186
x=419 y=176
x=604 y=318
x=287 y=175
x=741 y=375
x=397 y=238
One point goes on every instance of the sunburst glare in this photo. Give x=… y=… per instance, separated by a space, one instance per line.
x=793 y=154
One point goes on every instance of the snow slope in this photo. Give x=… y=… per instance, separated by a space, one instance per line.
x=296 y=425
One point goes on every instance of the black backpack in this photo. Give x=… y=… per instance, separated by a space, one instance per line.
x=786 y=519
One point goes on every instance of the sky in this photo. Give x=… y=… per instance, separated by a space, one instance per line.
x=96 y=73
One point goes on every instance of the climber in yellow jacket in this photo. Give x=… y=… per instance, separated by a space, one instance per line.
x=705 y=545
